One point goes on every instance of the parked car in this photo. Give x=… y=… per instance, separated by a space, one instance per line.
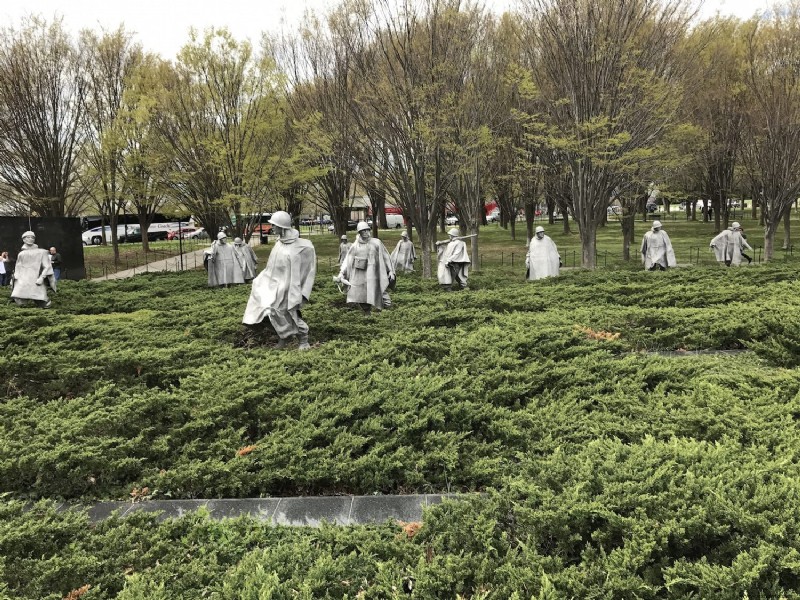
x=183 y=232
x=351 y=226
x=198 y=234
x=614 y=209
x=451 y=220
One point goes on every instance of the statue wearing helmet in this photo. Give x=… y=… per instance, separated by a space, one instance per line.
x=223 y=266
x=344 y=248
x=657 y=253
x=542 y=259
x=729 y=246
x=454 y=261
x=404 y=255
x=32 y=270
x=284 y=286
x=368 y=271
x=246 y=259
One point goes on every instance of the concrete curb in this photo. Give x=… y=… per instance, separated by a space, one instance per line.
x=309 y=511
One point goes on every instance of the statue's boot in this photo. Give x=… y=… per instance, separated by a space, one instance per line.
x=282 y=343
x=303 y=339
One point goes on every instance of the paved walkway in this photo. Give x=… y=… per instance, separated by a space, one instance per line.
x=298 y=512
x=191 y=260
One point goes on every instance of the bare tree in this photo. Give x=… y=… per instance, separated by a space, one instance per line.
x=320 y=82
x=42 y=95
x=771 y=137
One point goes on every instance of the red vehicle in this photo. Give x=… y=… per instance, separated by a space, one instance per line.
x=184 y=231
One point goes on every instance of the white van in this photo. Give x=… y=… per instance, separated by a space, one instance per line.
x=94 y=236
x=394 y=221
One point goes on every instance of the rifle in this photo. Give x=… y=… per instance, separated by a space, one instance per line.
x=460 y=237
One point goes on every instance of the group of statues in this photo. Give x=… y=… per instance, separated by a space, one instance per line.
x=367 y=272
x=230 y=264
x=728 y=247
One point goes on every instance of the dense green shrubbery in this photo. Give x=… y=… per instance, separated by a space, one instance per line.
x=623 y=473
x=133 y=384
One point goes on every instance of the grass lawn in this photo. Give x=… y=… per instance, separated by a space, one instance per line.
x=690 y=240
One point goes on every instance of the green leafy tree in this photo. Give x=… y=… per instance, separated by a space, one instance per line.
x=609 y=76
x=223 y=119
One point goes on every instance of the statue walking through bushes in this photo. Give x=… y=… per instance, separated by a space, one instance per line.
x=246 y=258
x=33 y=274
x=284 y=286
x=729 y=246
x=344 y=248
x=367 y=272
x=657 y=253
x=454 y=261
x=542 y=259
x=223 y=268
x=404 y=255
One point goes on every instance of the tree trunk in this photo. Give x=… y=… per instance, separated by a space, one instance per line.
x=769 y=243
x=588 y=233
x=476 y=257
x=787 y=228
x=627 y=222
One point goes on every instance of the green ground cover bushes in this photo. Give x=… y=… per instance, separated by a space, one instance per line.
x=611 y=470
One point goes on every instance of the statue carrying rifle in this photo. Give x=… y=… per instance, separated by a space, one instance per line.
x=454 y=260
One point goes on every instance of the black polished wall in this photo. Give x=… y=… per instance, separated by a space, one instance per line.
x=62 y=232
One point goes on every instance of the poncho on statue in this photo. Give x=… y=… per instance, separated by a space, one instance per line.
x=344 y=248
x=542 y=259
x=729 y=246
x=404 y=255
x=281 y=289
x=223 y=266
x=454 y=261
x=657 y=249
x=33 y=264
x=368 y=271
x=245 y=258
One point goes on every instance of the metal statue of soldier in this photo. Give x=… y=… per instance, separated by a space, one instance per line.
x=284 y=286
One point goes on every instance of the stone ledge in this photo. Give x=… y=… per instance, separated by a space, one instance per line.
x=294 y=512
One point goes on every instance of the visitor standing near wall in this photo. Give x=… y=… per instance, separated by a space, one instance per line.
x=5 y=269
x=55 y=261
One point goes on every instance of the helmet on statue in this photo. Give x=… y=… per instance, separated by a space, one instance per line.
x=281 y=219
